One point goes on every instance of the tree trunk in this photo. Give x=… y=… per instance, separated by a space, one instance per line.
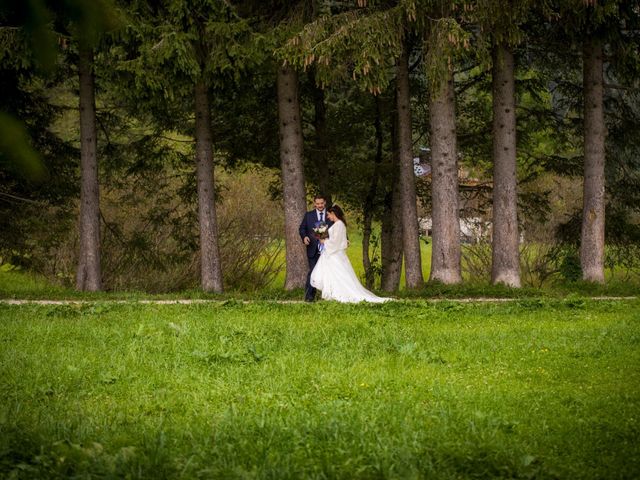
x=592 y=239
x=410 y=232
x=292 y=176
x=391 y=236
x=445 y=253
x=391 y=244
x=320 y=155
x=505 y=248
x=370 y=199
x=366 y=242
x=88 y=276
x=210 y=268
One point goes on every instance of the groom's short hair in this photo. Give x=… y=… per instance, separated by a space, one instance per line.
x=319 y=196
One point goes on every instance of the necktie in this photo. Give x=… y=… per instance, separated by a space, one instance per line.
x=322 y=216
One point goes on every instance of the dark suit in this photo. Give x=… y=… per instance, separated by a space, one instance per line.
x=313 y=253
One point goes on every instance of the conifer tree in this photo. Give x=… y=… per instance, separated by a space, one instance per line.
x=183 y=50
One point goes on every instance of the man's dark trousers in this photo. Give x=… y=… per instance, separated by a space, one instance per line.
x=310 y=292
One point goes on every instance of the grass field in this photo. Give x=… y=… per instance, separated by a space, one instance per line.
x=530 y=389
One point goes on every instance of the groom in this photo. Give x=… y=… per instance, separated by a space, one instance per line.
x=318 y=214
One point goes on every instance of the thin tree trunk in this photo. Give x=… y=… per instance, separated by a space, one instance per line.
x=320 y=155
x=370 y=199
x=292 y=176
x=88 y=276
x=445 y=253
x=210 y=268
x=593 y=220
x=391 y=248
x=410 y=232
x=505 y=248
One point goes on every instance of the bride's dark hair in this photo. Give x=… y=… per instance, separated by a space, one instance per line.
x=337 y=211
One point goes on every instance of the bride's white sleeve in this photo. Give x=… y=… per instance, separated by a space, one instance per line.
x=337 y=239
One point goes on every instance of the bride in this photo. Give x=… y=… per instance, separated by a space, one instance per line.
x=333 y=274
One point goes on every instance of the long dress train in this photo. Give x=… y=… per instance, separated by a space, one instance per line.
x=334 y=275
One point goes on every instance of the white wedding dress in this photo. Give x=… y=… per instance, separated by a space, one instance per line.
x=334 y=274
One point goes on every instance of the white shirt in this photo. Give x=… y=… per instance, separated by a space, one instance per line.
x=324 y=213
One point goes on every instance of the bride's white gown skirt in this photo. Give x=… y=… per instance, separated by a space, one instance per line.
x=334 y=275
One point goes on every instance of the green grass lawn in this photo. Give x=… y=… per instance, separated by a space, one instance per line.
x=25 y=285
x=529 y=389
x=355 y=256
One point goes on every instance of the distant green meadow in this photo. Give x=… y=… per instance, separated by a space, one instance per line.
x=354 y=252
x=531 y=388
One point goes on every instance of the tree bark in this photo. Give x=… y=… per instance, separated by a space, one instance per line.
x=445 y=253
x=505 y=247
x=320 y=154
x=210 y=268
x=291 y=144
x=370 y=199
x=391 y=244
x=391 y=236
x=88 y=276
x=593 y=220
x=410 y=232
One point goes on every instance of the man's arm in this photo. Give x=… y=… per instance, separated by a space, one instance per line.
x=303 y=231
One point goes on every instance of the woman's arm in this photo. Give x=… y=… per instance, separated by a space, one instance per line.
x=337 y=239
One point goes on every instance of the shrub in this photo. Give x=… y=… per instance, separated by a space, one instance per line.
x=150 y=235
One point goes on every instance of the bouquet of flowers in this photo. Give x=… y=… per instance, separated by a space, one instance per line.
x=321 y=231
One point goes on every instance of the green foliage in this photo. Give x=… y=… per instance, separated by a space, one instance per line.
x=16 y=60
x=170 y=45
x=500 y=21
x=357 y=44
x=16 y=153
x=529 y=389
x=570 y=264
x=37 y=168
x=446 y=42
x=362 y=44
x=588 y=17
